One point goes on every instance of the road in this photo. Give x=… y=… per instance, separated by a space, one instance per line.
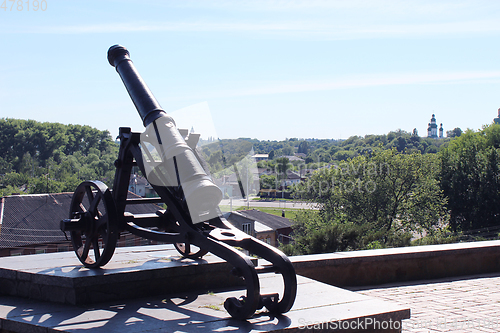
x=235 y=203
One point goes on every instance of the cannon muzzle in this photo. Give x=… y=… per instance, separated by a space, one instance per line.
x=146 y=104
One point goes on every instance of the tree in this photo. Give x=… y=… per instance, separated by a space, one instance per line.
x=303 y=147
x=39 y=157
x=456 y=132
x=312 y=235
x=387 y=194
x=267 y=181
x=343 y=155
x=470 y=178
x=282 y=166
x=271 y=155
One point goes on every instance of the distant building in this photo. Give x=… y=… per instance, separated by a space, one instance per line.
x=301 y=155
x=497 y=119
x=291 y=179
x=231 y=187
x=293 y=158
x=265 y=171
x=260 y=157
x=272 y=229
x=432 y=129
x=139 y=185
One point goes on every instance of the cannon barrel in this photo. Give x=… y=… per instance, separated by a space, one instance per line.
x=179 y=164
x=146 y=104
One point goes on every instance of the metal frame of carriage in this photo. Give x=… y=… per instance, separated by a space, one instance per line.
x=98 y=214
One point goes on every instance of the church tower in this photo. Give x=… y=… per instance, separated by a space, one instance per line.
x=432 y=129
x=497 y=120
x=441 y=131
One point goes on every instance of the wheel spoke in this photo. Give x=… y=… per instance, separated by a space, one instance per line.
x=97 y=252
x=82 y=207
x=85 y=252
x=90 y=193
x=94 y=203
x=102 y=222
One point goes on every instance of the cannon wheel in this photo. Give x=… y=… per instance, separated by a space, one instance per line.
x=93 y=204
x=189 y=251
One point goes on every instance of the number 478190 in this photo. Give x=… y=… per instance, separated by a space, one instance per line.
x=20 y=5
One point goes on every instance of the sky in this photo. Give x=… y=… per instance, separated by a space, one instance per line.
x=268 y=70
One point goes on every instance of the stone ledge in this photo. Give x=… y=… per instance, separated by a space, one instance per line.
x=372 y=267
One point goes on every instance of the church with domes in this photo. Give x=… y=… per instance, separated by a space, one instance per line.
x=497 y=120
x=432 y=129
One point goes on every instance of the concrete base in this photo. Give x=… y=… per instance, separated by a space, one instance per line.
x=132 y=272
x=318 y=307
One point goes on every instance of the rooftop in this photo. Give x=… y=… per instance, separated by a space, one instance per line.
x=272 y=221
x=34 y=218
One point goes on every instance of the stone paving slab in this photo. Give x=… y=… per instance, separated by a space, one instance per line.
x=461 y=304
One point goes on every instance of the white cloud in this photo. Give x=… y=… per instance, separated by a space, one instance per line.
x=313 y=19
x=358 y=81
x=294 y=30
x=380 y=6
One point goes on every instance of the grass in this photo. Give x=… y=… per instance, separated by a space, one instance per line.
x=277 y=211
x=132 y=262
x=272 y=199
x=211 y=306
x=289 y=212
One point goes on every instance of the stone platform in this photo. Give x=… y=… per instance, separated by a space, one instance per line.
x=54 y=293
x=132 y=272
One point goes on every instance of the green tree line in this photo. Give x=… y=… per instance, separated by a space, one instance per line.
x=38 y=157
x=223 y=153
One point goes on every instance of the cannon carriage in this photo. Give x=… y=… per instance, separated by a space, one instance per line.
x=191 y=221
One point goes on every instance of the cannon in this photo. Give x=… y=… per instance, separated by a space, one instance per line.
x=192 y=221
